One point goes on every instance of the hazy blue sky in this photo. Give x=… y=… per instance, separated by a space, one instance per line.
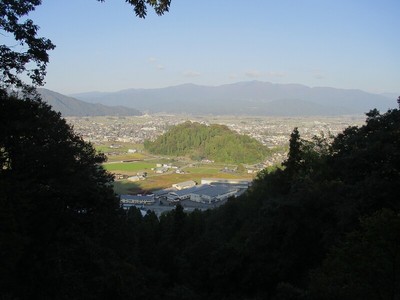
x=336 y=43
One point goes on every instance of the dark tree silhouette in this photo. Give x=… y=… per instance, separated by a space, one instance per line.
x=140 y=6
x=56 y=201
x=293 y=161
x=365 y=265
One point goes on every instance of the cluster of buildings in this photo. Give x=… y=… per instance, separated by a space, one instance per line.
x=210 y=191
x=270 y=131
x=273 y=132
x=135 y=129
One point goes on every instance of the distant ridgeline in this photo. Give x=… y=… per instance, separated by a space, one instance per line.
x=214 y=142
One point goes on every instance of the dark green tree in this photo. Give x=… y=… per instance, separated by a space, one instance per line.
x=216 y=142
x=59 y=215
x=294 y=159
x=366 y=265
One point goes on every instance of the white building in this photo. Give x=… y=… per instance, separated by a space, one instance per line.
x=245 y=183
x=129 y=200
x=184 y=185
x=204 y=193
x=213 y=193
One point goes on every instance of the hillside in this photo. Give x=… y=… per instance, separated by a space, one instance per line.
x=214 y=142
x=246 y=98
x=69 y=106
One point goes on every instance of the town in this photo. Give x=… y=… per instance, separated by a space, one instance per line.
x=271 y=131
x=159 y=183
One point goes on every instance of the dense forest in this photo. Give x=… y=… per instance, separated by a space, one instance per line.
x=325 y=226
x=214 y=142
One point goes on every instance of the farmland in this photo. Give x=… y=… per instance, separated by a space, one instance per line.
x=126 y=164
x=159 y=181
x=121 y=140
x=129 y=167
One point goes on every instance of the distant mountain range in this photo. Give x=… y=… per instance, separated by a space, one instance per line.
x=69 y=106
x=245 y=98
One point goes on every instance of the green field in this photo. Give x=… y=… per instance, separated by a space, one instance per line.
x=129 y=166
x=202 y=170
x=193 y=171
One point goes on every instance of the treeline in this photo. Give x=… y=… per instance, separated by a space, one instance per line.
x=324 y=227
x=214 y=142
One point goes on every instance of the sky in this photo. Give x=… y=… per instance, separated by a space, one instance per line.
x=351 y=44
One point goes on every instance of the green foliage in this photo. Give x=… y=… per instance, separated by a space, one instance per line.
x=365 y=265
x=58 y=209
x=214 y=142
x=241 y=169
x=129 y=166
x=294 y=157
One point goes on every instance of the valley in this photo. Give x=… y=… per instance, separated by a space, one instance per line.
x=121 y=139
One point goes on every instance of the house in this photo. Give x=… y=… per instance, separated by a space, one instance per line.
x=184 y=185
x=134 y=178
x=143 y=175
x=161 y=170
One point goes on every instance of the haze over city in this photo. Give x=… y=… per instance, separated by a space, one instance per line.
x=104 y=47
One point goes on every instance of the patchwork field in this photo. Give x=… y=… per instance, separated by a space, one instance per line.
x=129 y=164
x=154 y=183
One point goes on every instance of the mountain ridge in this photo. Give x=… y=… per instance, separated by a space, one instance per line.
x=245 y=98
x=69 y=106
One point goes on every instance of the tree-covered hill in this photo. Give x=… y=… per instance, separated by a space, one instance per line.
x=214 y=142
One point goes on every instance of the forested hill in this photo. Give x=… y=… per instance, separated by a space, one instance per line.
x=214 y=142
